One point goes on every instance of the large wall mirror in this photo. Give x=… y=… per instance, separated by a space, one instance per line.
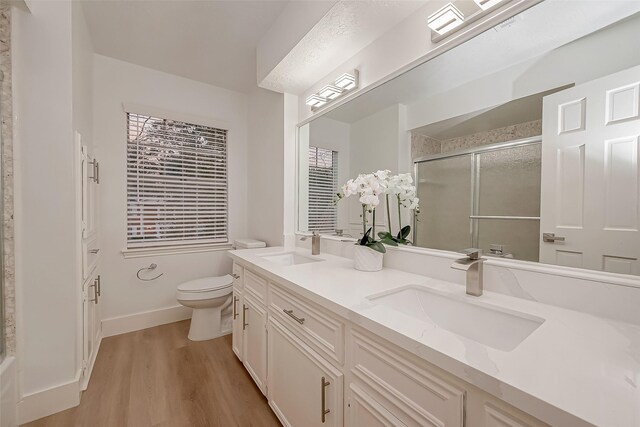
x=523 y=141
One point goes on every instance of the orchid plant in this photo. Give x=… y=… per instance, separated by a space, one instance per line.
x=401 y=186
x=369 y=188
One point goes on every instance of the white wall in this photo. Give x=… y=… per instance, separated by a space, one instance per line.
x=375 y=145
x=116 y=82
x=47 y=295
x=265 y=172
x=596 y=55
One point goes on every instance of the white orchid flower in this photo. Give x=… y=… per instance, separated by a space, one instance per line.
x=372 y=201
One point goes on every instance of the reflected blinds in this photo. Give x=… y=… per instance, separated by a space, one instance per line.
x=176 y=182
x=323 y=186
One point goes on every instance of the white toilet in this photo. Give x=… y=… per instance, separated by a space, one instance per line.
x=210 y=298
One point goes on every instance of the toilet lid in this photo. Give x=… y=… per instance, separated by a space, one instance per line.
x=206 y=284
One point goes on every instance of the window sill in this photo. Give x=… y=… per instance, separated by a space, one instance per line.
x=174 y=250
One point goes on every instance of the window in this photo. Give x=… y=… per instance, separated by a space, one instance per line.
x=323 y=186
x=176 y=182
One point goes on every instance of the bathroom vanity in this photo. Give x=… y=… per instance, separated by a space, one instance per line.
x=329 y=345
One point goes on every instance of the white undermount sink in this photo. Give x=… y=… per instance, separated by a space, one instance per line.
x=496 y=327
x=288 y=258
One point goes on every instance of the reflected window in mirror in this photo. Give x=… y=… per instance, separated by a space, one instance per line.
x=323 y=186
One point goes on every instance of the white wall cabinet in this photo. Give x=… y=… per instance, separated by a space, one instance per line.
x=89 y=245
x=254 y=351
x=92 y=332
x=304 y=389
x=318 y=369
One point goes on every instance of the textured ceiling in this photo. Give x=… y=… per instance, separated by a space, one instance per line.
x=209 y=41
x=347 y=28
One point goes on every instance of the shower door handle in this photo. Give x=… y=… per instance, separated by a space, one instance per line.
x=551 y=238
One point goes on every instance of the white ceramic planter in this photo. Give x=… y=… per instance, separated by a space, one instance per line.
x=366 y=259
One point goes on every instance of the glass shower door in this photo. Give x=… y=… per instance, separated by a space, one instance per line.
x=445 y=192
x=487 y=199
x=507 y=201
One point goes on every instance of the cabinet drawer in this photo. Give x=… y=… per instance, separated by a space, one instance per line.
x=364 y=411
x=237 y=275
x=255 y=284
x=321 y=330
x=412 y=391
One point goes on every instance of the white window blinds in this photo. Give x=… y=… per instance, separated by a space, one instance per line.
x=323 y=186
x=176 y=182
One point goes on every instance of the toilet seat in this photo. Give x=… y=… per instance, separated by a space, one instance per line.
x=205 y=288
x=205 y=284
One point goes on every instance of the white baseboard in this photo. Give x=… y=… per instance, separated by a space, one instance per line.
x=143 y=320
x=46 y=402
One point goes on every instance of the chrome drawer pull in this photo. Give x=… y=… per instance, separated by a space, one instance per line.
x=323 y=385
x=235 y=310
x=94 y=251
x=294 y=317
x=244 y=316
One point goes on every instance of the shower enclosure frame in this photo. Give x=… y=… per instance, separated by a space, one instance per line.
x=473 y=154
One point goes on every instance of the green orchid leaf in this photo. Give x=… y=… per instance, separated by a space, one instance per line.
x=405 y=231
x=377 y=246
x=366 y=239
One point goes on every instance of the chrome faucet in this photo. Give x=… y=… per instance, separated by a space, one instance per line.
x=472 y=264
x=315 y=242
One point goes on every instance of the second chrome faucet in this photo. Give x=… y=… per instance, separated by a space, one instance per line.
x=472 y=264
x=315 y=243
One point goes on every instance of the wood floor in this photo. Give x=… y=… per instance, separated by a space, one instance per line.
x=157 y=377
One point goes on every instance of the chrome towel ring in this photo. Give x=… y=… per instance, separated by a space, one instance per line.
x=150 y=268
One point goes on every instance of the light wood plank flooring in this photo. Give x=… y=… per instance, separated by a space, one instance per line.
x=157 y=377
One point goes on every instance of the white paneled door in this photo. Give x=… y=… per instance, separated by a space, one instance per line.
x=590 y=175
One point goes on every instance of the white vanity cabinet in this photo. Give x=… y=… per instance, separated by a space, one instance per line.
x=238 y=300
x=318 y=369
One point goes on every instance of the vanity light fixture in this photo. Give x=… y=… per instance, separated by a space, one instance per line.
x=343 y=84
x=447 y=18
x=348 y=81
x=487 y=4
x=315 y=101
x=330 y=92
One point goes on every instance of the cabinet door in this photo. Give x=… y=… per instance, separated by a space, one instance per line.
x=91 y=326
x=304 y=389
x=255 y=340
x=236 y=341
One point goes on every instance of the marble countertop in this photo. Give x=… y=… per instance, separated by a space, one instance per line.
x=574 y=368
